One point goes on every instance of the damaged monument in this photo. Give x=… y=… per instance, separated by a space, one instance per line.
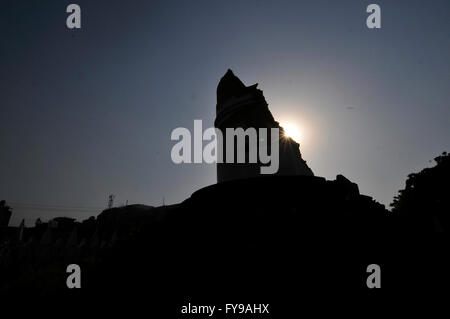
x=240 y=106
x=247 y=235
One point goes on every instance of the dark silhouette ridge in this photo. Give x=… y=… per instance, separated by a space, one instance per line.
x=264 y=216
x=239 y=238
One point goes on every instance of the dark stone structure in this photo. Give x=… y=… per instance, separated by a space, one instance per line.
x=239 y=106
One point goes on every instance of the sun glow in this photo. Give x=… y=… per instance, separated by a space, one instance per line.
x=292 y=131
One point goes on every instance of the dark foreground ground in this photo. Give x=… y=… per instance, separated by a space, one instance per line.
x=299 y=244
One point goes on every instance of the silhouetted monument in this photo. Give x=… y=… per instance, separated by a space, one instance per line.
x=249 y=236
x=239 y=106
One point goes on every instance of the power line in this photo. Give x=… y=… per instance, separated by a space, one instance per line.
x=34 y=206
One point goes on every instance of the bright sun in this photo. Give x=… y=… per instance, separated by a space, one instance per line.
x=292 y=131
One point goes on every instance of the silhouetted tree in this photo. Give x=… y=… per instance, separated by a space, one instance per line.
x=425 y=202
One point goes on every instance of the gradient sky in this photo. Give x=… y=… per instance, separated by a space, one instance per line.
x=89 y=112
